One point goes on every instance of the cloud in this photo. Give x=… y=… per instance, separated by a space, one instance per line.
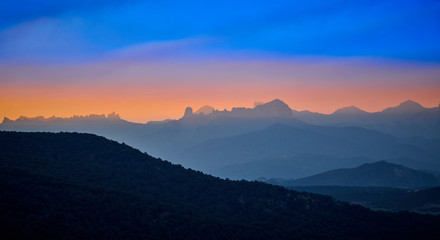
x=160 y=50
x=19 y=11
x=96 y=29
x=44 y=39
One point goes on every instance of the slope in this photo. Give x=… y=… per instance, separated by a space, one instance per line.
x=67 y=185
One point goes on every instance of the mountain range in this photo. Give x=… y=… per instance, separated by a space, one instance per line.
x=82 y=186
x=270 y=140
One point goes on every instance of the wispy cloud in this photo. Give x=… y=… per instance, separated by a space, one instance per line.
x=162 y=50
x=393 y=29
x=45 y=39
x=19 y=11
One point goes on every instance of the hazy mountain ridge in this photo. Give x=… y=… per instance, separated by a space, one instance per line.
x=186 y=140
x=282 y=143
x=351 y=110
x=407 y=107
x=287 y=167
x=105 y=189
x=377 y=174
x=23 y=119
x=408 y=114
x=405 y=120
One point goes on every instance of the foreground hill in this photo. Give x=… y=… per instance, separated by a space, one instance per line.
x=379 y=174
x=76 y=186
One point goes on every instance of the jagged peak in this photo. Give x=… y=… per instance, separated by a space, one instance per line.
x=188 y=112
x=112 y=115
x=6 y=120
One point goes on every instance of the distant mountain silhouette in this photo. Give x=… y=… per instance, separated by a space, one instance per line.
x=378 y=174
x=405 y=120
x=206 y=110
x=188 y=112
x=352 y=110
x=81 y=186
x=272 y=109
x=407 y=107
x=275 y=108
x=110 y=126
x=23 y=119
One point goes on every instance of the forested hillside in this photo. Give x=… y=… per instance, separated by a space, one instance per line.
x=76 y=186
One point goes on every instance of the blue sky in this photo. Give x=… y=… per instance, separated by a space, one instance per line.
x=148 y=60
x=81 y=31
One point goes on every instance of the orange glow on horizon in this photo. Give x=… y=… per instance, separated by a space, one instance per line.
x=146 y=91
x=144 y=103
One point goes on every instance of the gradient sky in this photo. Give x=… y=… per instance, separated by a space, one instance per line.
x=148 y=60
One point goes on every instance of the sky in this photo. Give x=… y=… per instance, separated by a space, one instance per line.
x=148 y=60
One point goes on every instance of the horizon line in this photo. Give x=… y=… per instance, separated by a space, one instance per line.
x=115 y=115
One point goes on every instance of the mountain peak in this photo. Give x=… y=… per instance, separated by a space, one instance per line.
x=274 y=108
x=6 y=120
x=408 y=106
x=274 y=102
x=351 y=110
